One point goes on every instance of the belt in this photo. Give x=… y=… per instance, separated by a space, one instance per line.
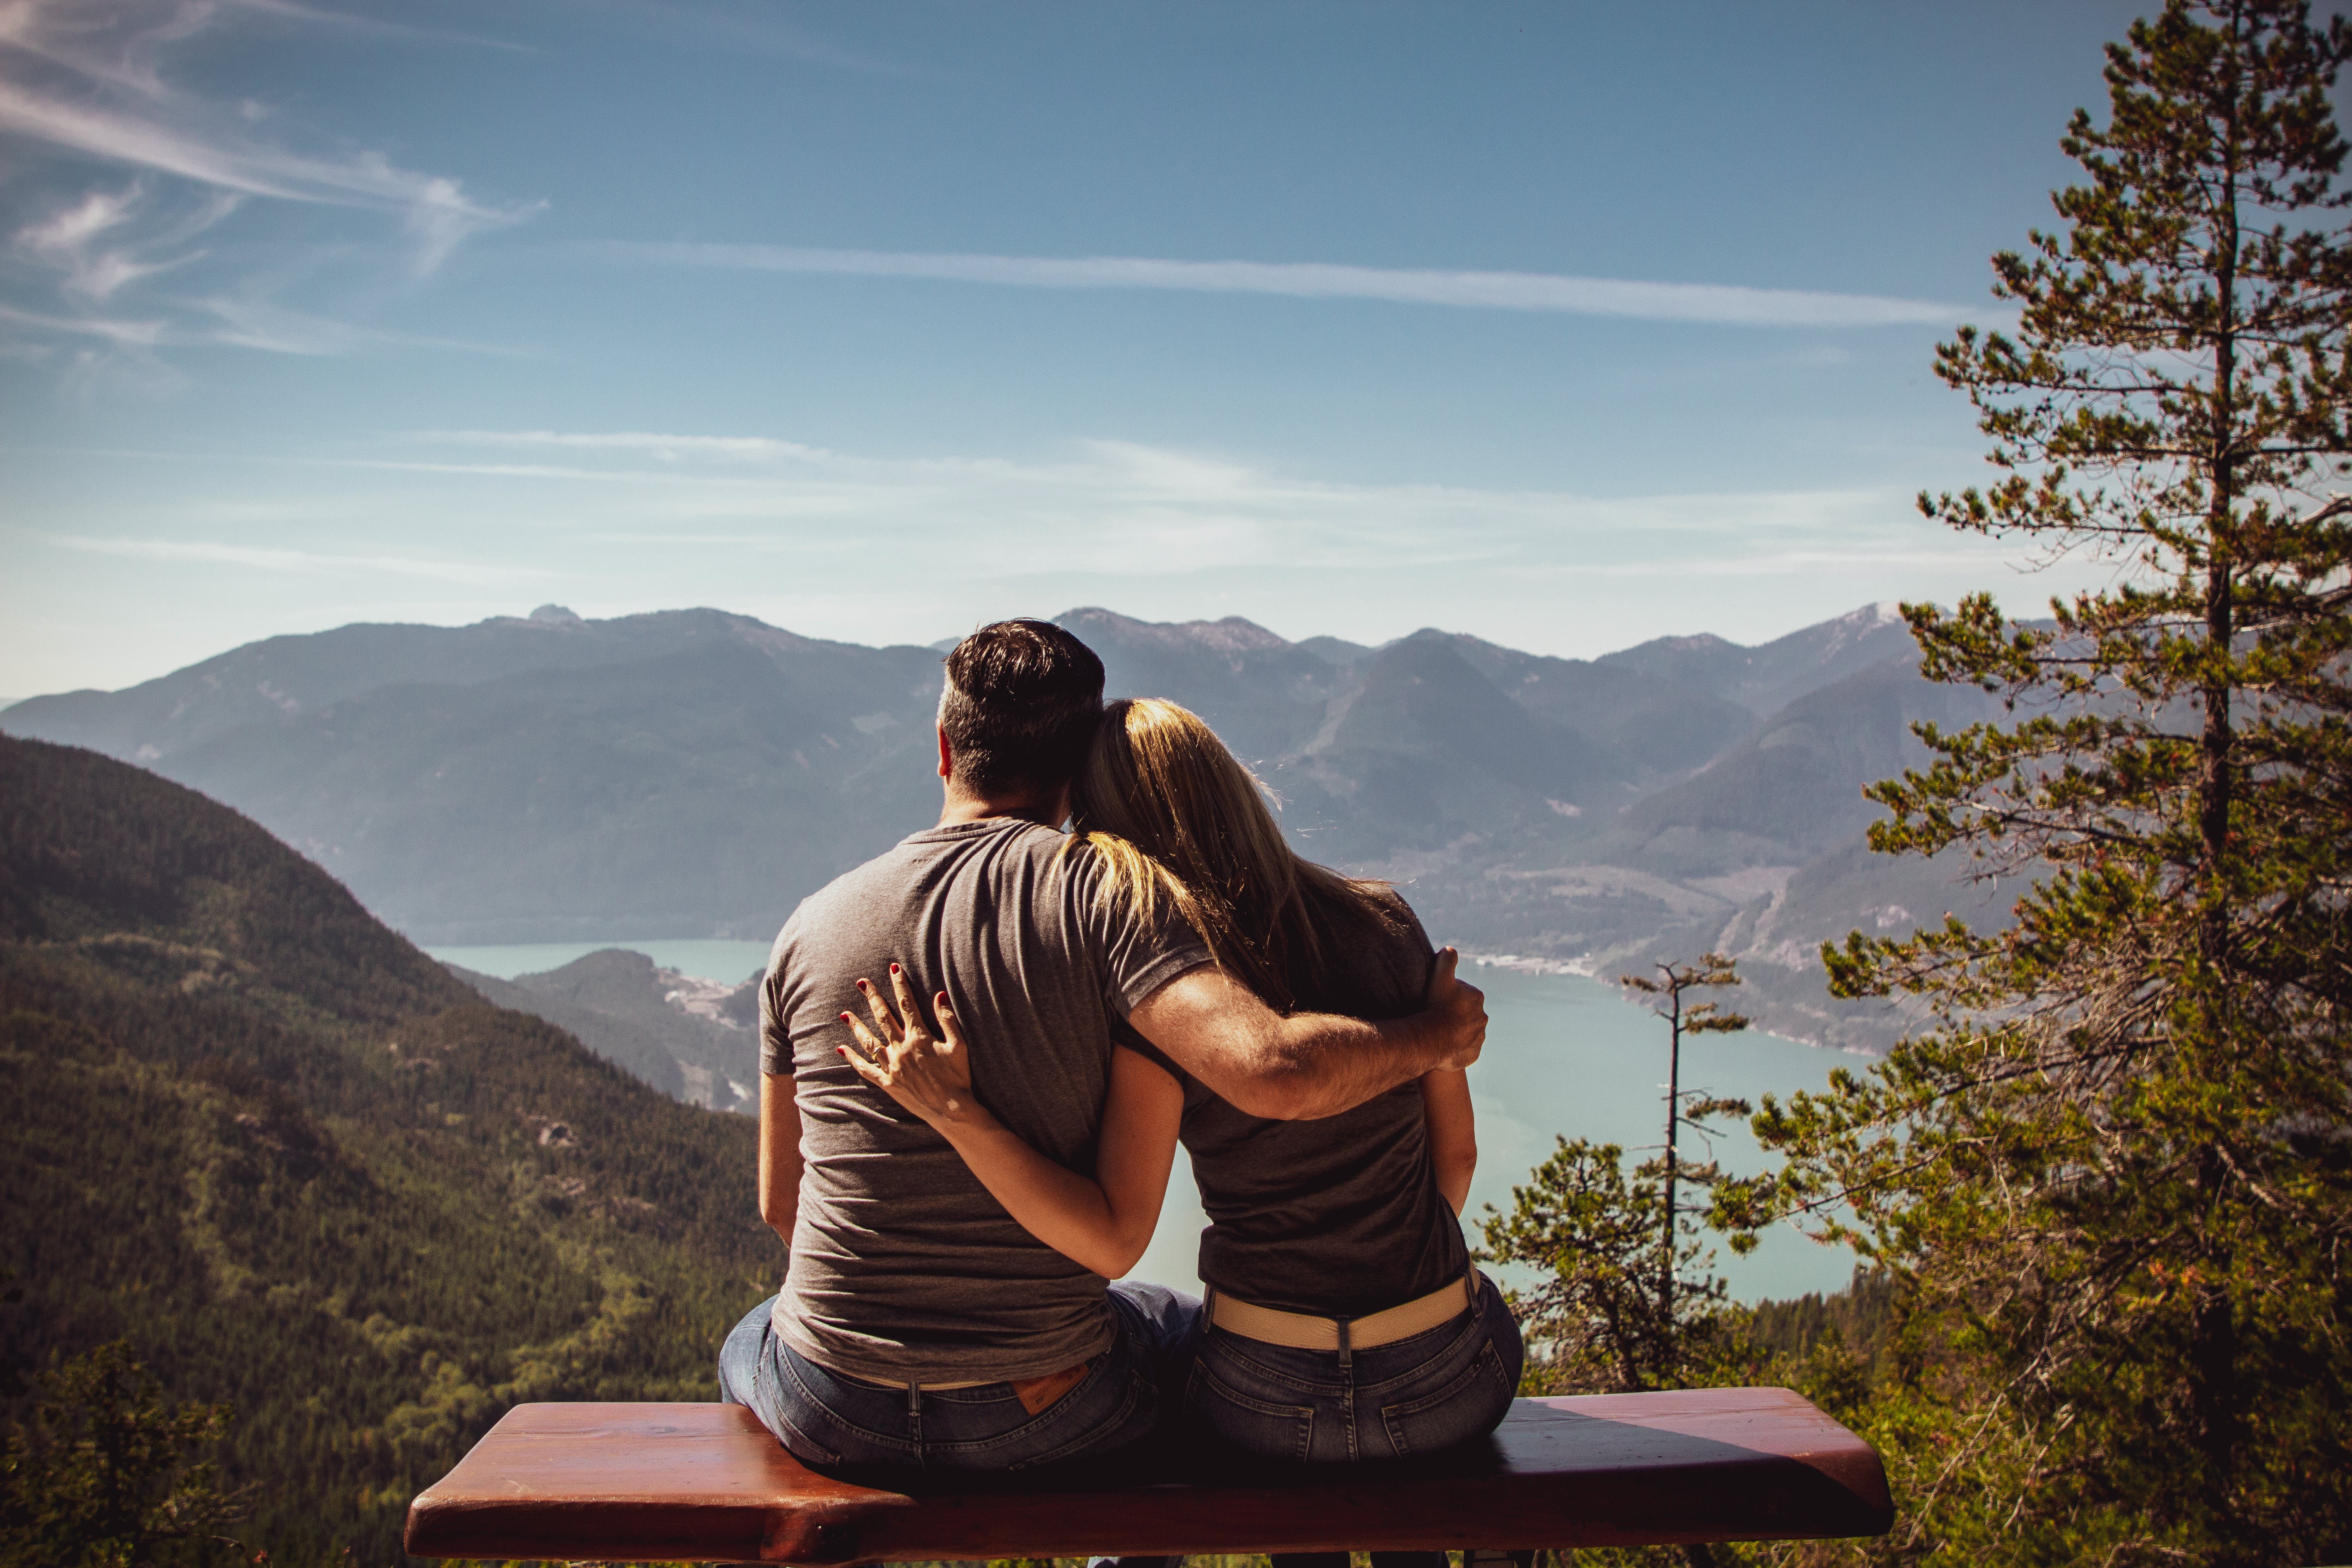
x=1306 y=1332
x=1035 y=1393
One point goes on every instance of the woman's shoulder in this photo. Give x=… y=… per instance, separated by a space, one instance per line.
x=1394 y=917
x=1375 y=955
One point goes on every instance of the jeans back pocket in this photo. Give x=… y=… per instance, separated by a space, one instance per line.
x=1258 y=1427
x=1471 y=1404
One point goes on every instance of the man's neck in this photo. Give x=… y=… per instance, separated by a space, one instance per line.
x=961 y=807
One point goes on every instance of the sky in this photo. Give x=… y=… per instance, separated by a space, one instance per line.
x=1565 y=324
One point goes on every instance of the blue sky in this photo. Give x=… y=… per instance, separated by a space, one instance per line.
x=1563 y=324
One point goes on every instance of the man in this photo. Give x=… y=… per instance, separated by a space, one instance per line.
x=919 y=1325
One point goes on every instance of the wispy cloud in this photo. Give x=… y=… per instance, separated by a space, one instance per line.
x=139 y=334
x=437 y=210
x=233 y=323
x=875 y=548
x=1119 y=509
x=1728 y=304
x=304 y=561
x=375 y=27
x=86 y=79
x=72 y=228
x=255 y=323
x=753 y=30
x=743 y=448
x=1785 y=563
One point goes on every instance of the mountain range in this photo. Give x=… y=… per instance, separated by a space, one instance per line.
x=695 y=772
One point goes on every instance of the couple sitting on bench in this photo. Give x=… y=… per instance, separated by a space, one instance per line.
x=957 y=1183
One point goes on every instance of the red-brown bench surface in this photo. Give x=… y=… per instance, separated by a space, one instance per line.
x=704 y=1482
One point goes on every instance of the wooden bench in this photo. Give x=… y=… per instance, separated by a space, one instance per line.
x=705 y=1483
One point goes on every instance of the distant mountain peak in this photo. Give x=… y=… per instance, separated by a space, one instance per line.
x=555 y=616
x=1335 y=650
x=1694 y=642
x=1854 y=626
x=1233 y=633
x=1885 y=613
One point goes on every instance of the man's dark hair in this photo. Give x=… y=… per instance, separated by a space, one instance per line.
x=1022 y=701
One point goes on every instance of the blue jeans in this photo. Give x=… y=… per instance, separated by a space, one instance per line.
x=1446 y=1385
x=832 y=1422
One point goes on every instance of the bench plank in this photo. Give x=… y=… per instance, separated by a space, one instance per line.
x=704 y=1483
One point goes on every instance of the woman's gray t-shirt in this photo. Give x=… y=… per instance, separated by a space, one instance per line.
x=903 y=1267
x=1340 y=1216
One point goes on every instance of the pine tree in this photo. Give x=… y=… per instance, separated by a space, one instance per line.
x=2114 y=1168
x=103 y=1476
x=1628 y=1302
x=1696 y=1018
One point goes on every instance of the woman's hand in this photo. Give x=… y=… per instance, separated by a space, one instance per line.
x=930 y=1075
x=1101 y=1222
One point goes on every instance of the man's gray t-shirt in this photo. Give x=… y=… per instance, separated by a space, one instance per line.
x=903 y=1267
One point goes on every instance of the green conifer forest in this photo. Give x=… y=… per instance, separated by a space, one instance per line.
x=305 y=1174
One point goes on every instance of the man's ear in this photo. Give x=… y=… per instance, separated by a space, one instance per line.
x=947 y=756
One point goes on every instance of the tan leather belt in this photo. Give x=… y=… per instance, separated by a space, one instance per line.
x=1305 y=1332
x=1035 y=1393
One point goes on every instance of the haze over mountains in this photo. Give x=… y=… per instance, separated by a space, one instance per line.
x=695 y=772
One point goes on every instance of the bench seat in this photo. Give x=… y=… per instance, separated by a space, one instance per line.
x=705 y=1483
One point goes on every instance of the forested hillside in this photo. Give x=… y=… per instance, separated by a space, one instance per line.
x=304 y=1169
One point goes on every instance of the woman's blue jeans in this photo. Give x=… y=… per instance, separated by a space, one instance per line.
x=832 y=1422
x=1410 y=1396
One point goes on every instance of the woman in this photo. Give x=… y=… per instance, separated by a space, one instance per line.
x=1344 y=1320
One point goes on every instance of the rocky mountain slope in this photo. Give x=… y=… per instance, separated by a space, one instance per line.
x=683 y=1035
x=695 y=772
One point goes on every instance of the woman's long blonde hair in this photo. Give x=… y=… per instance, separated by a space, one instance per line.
x=1180 y=822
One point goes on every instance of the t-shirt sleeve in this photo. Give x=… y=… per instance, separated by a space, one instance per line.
x=775 y=1041
x=1126 y=1037
x=776 y=1013
x=1138 y=956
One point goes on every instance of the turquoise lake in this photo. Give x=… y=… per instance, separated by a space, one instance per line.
x=1565 y=1056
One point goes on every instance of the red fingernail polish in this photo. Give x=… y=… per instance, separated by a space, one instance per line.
x=894 y=969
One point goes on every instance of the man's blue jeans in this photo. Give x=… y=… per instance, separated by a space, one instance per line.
x=832 y=1422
